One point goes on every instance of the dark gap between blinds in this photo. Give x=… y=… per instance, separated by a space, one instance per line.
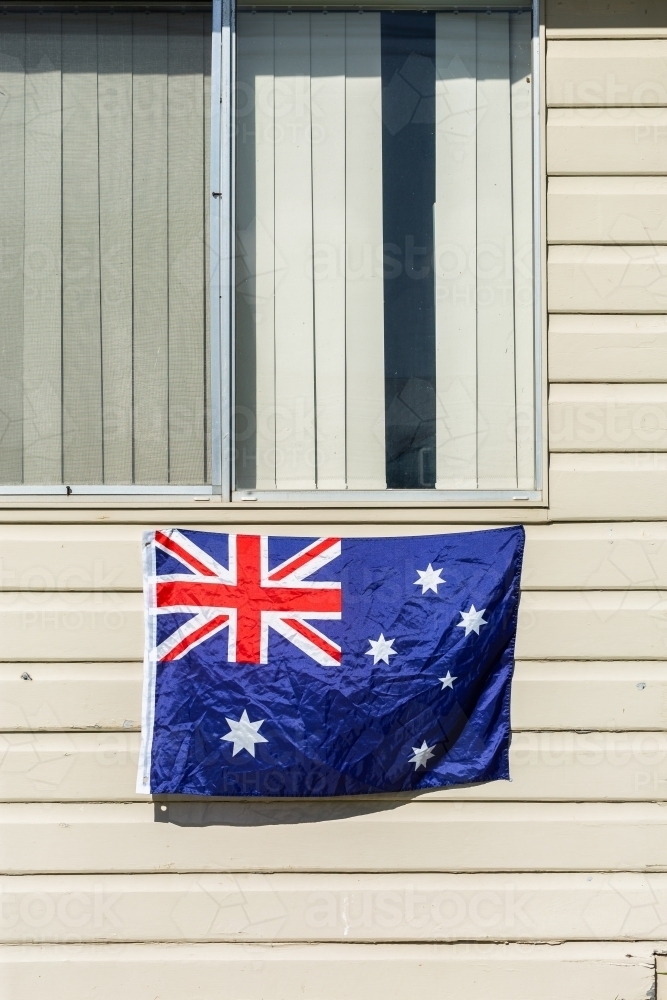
x=408 y=195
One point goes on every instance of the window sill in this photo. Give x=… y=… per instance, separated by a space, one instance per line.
x=392 y=498
x=298 y=516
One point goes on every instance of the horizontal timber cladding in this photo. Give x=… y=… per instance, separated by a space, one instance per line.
x=607 y=347
x=91 y=565
x=571 y=624
x=546 y=766
x=605 y=18
x=611 y=279
x=590 y=971
x=607 y=73
x=333 y=836
x=607 y=485
x=607 y=140
x=608 y=417
x=626 y=210
x=333 y=907
x=616 y=695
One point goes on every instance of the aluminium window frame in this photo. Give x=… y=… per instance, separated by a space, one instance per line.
x=222 y=285
x=224 y=47
x=133 y=491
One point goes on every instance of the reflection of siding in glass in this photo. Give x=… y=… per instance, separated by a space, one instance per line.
x=106 y=336
x=408 y=190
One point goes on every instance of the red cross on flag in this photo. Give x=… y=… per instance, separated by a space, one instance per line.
x=247 y=598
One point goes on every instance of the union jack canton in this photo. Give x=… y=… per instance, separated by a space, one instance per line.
x=326 y=666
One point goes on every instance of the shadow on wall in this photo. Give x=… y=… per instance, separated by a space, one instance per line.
x=253 y=812
x=267 y=812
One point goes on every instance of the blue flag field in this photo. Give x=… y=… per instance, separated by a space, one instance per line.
x=280 y=666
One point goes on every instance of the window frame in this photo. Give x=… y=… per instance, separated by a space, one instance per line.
x=222 y=285
x=224 y=46
x=132 y=492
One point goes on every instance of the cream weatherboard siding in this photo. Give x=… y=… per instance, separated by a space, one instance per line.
x=551 y=886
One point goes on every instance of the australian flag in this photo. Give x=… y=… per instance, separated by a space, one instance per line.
x=327 y=666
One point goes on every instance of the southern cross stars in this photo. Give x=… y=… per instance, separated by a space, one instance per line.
x=421 y=755
x=429 y=579
x=447 y=682
x=381 y=649
x=244 y=734
x=472 y=620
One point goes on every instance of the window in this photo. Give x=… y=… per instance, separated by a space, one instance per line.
x=104 y=153
x=268 y=253
x=385 y=336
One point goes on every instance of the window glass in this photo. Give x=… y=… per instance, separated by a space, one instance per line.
x=384 y=305
x=104 y=151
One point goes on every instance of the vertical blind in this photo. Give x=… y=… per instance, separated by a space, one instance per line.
x=104 y=152
x=384 y=310
x=310 y=385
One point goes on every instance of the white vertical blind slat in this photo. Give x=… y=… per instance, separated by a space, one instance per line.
x=12 y=148
x=364 y=297
x=42 y=348
x=496 y=427
x=82 y=358
x=328 y=143
x=150 y=240
x=455 y=241
x=522 y=183
x=294 y=330
x=186 y=249
x=115 y=124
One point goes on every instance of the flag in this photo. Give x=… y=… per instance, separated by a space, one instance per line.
x=281 y=666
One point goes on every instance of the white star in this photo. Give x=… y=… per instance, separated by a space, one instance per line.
x=447 y=682
x=429 y=579
x=244 y=734
x=421 y=755
x=381 y=649
x=472 y=620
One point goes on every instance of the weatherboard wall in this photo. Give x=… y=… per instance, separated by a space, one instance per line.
x=551 y=886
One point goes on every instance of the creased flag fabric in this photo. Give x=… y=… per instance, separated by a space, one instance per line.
x=281 y=666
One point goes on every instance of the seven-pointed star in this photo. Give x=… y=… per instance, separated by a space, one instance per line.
x=429 y=579
x=381 y=649
x=244 y=734
x=447 y=682
x=421 y=755
x=472 y=620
